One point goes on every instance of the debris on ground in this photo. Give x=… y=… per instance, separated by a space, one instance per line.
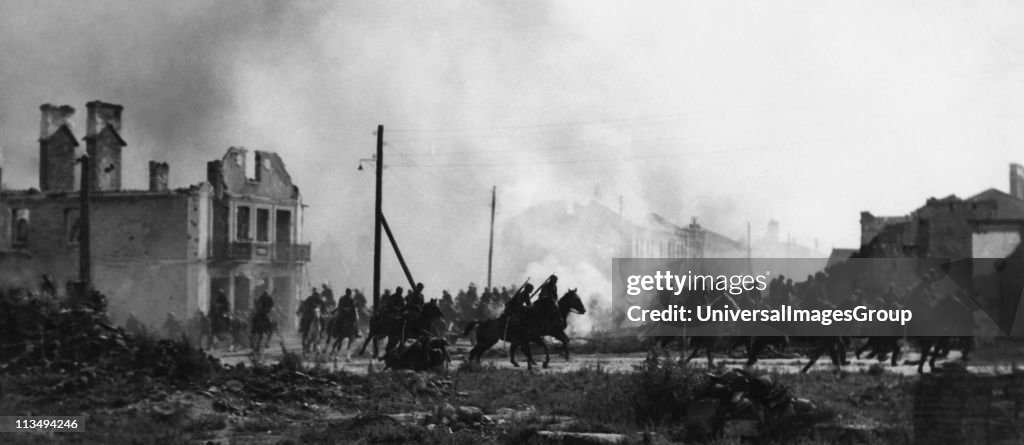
x=737 y=403
x=425 y=354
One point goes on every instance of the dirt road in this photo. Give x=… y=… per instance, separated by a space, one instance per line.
x=615 y=362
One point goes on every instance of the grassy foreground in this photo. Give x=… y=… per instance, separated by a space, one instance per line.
x=286 y=403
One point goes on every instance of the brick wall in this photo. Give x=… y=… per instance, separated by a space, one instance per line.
x=960 y=408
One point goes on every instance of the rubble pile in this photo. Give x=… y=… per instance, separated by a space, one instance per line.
x=45 y=335
x=739 y=404
x=425 y=354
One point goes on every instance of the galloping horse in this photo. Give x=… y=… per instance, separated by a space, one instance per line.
x=344 y=325
x=542 y=318
x=705 y=343
x=397 y=329
x=570 y=302
x=311 y=336
x=263 y=327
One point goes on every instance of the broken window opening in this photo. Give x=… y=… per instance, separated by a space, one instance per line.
x=284 y=227
x=242 y=223
x=250 y=165
x=263 y=225
x=19 y=236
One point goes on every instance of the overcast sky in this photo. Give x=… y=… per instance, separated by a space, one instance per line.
x=807 y=112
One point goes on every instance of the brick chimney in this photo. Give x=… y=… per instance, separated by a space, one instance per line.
x=103 y=144
x=57 y=145
x=158 y=173
x=1017 y=180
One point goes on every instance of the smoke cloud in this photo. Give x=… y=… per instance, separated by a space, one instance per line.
x=804 y=112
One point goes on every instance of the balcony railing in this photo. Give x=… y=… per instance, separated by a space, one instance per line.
x=291 y=253
x=246 y=251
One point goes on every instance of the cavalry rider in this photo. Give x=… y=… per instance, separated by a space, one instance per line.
x=219 y=309
x=346 y=302
x=447 y=305
x=549 y=289
x=347 y=305
x=261 y=318
x=328 y=296
x=359 y=299
x=414 y=303
x=517 y=307
x=395 y=304
x=307 y=311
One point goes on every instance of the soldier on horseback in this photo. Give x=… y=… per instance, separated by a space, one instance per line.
x=344 y=324
x=261 y=318
x=307 y=311
x=328 y=297
x=517 y=308
x=346 y=302
x=414 y=303
x=359 y=299
x=395 y=303
x=549 y=289
x=447 y=305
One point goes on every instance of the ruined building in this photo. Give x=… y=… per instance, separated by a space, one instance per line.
x=980 y=235
x=158 y=250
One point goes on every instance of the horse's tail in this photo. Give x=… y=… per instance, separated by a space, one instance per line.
x=469 y=328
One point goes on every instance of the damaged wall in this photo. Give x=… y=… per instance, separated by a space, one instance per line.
x=146 y=246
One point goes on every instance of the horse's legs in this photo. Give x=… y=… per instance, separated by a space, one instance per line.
x=348 y=347
x=870 y=344
x=693 y=353
x=366 y=341
x=894 y=346
x=756 y=344
x=708 y=348
x=813 y=358
x=926 y=347
x=547 y=355
x=529 y=356
x=512 y=355
x=935 y=354
x=393 y=342
x=481 y=347
x=565 y=343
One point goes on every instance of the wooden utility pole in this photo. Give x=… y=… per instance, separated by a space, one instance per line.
x=84 y=254
x=378 y=215
x=490 y=249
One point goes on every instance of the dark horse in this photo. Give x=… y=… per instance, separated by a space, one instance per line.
x=706 y=343
x=264 y=326
x=570 y=302
x=311 y=334
x=544 y=317
x=397 y=329
x=344 y=325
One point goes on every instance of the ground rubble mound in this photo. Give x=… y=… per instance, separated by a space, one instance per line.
x=43 y=335
x=737 y=403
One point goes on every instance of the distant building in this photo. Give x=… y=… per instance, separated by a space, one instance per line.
x=594 y=234
x=839 y=255
x=158 y=250
x=984 y=229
